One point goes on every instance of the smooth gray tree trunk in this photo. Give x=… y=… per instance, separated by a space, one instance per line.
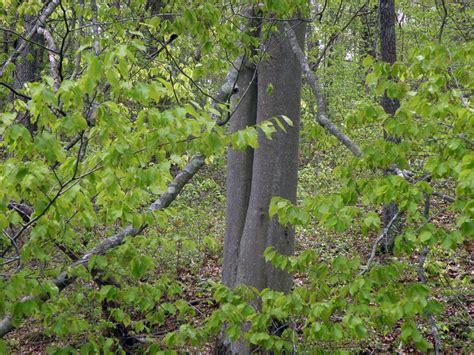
x=240 y=163
x=275 y=165
x=239 y=170
x=271 y=170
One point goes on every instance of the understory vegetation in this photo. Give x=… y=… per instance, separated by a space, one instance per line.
x=186 y=267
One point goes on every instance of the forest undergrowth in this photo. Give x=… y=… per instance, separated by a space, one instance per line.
x=189 y=255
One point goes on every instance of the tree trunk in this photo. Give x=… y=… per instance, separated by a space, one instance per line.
x=28 y=67
x=239 y=167
x=271 y=170
x=388 y=53
x=275 y=166
x=388 y=46
x=239 y=171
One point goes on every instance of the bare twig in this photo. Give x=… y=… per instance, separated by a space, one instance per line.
x=201 y=90
x=64 y=187
x=52 y=50
x=63 y=42
x=26 y=97
x=377 y=241
x=335 y=36
x=17 y=250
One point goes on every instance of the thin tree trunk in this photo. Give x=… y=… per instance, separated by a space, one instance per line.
x=388 y=47
x=388 y=53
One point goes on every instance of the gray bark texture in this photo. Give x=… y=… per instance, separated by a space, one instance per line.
x=239 y=171
x=29 y=33
x=388 y=46
x=28 y=65
x=240 y=163
x=388 y=53
x=271 y=170
x=275 y=165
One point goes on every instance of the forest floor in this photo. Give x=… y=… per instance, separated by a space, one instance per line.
x=201 y=220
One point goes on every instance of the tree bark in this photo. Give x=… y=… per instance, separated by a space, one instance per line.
x=271 y=170
x=275 y=165
x=239 y=171
x=28 y=68
x=388 y=53
x=22 y=43
x=239 y=164
x=388 y=47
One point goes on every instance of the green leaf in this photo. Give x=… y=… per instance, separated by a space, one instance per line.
x=113 y=78
x=372 y=220
x=372 y=79
x=367 y=62
x=337 y=332
x=3 y=347
x=287 y=120
x=6 y=119
x=425 y=236
x=270 y=89
x=140 y=265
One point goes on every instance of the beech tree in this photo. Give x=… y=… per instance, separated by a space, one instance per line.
x=271 y=170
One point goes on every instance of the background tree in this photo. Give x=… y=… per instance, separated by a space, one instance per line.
x=388 y=54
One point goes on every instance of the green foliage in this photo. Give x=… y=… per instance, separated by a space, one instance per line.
x=89 y=155
x=343 y=300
